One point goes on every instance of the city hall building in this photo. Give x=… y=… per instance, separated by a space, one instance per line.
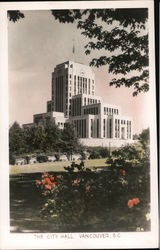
x=73 y=100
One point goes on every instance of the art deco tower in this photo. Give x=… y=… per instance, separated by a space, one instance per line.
x=70 y=79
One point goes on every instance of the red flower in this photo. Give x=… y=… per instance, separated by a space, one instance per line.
x=48 y=187
x=130 y=203
x=48 y=181
x=76 y=182
x=136 y=201
x=122 y=172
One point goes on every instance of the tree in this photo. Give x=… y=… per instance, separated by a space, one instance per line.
x=53 y=135
x=70 y=142
x=14 y=15
x=16 y=139
x=144 y=138
x=121 y=32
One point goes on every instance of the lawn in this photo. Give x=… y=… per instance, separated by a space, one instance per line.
x=53 y=166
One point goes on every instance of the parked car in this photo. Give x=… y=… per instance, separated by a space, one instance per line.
x=42 y=158
x=63 y=158
x=20 y=161
x=51 y=158
x=32 y=160
x=76 y=157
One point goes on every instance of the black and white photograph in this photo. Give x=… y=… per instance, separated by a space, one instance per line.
x=82 y=147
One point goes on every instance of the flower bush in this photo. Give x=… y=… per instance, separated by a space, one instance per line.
x=115 y=200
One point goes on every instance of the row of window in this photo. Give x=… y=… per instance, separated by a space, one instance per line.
x=88 y=101
x=110 y=111
x=125 y=122
x=91 y=111
x=80 y=85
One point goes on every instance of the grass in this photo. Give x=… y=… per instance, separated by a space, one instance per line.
x=53 y=166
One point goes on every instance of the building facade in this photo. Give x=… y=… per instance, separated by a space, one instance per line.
x=73 y=100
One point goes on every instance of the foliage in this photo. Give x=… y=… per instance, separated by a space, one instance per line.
x=42 y=138
x=116 y=199
x=15 y=15
x=144 y=138
x=69 y=142
x=98 y=152
x=73 y=200
x=122 y=34
x=16 y=139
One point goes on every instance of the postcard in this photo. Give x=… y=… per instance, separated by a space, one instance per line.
x=78 y=125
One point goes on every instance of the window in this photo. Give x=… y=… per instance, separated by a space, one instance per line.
x=104 y=127
x=70 y=76
x=97 y=128
x=91 y=127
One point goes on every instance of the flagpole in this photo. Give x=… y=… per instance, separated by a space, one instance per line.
x=73 y=52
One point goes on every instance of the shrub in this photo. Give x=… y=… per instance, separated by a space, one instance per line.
x=117 y=199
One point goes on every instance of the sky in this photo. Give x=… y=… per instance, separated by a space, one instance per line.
x=36 y=44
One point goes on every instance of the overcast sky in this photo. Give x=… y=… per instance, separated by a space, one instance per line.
x=37 y=44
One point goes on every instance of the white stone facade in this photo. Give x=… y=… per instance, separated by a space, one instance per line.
x=73 y=100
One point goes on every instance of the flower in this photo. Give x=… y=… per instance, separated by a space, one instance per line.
x=130 y=203
x=76 y=182
x=136 y=201
x=43 y=182
x=48 y=187
x=53 y=184
x=45 y=175
x=38 y=182
x=88 y=188
x=48 y=181
x=122 y=172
